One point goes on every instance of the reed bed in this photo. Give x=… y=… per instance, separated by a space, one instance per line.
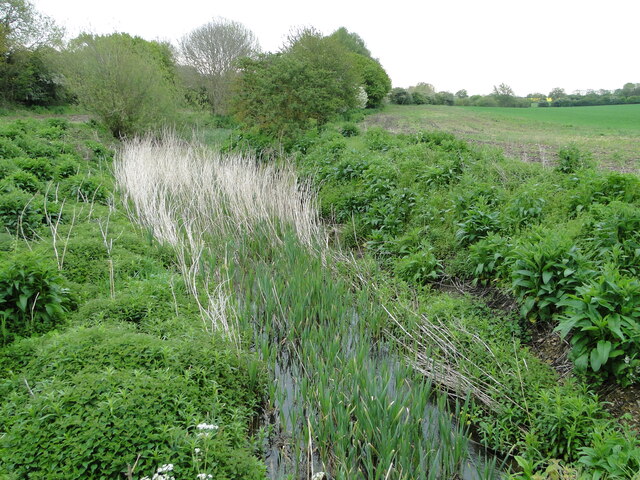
x=253 y=253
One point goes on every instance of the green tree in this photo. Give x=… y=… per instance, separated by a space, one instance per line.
x=26 y=38
x=557 y=93
x=401 y=96
x=374 y=79
x=351 y=41
x=126 y=81
x=504 y=95
x=462 y=94
x=309 y=81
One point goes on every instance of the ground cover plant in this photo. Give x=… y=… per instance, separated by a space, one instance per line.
x=432 y=210
x=107 y=368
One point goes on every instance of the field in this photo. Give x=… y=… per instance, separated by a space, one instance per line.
x=611 y=133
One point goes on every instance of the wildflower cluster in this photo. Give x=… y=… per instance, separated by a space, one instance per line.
x=162 y=473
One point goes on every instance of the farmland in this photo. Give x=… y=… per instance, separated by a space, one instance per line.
x=611 y=133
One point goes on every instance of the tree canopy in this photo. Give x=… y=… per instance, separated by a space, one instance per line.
x=212 y=51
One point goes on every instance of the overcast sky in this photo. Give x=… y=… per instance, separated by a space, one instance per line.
x=533 y=46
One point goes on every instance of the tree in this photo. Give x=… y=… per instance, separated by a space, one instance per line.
x=462 y=94
x=213 y=51
x=351 y=41
x=504 y=95
x=557 y=93
x=126 y=81
x=373 y=78
x=312 y=79
x=21 y=25
x=401 y=96
x=26 y=38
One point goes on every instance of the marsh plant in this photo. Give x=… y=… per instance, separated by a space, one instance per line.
x=185 y=195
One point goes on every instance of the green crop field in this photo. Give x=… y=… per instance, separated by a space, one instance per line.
x=610 y=133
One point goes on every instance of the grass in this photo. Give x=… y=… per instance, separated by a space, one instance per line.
x=612 y=133
x=341 y=400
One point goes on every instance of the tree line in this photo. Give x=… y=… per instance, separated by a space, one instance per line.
x=133 y=85
x=504 y=96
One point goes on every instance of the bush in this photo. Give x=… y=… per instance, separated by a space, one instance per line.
x=41 y=168
x=603 y=318
x=419 y=267
x=153 y=397
x=125 y=81
x=612 y=454
x=546 y=269
x=67 y=166
x=489 y=258
x=571 y=159
x=25 y=181
x=563 y=420
x=19 y=213
x=479 y=221
x=86 y=188
x=32 y=296
x=8 y=149
x=349 y=130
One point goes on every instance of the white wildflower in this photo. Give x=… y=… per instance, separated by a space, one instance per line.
x=207 y=426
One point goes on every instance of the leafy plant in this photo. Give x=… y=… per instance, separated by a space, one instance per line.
x=612 y=454
x=349 y=130
x=604 y=319
x=19 y=213
x=479 y=221
x=25 y=181
x=32 y=296
x=545 y=270
x=419 y=267
x=489 y=257
x=572 y=159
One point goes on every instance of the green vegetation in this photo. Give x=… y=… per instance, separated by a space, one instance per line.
x=106 y=367
x=127 y=82
x=430 y=208
x=611 y=133
x=365 y=307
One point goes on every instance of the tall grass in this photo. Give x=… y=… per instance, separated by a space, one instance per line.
x=186 y=194
x=252 y=252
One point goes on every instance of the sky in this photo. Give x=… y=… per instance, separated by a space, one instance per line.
x=532 y=46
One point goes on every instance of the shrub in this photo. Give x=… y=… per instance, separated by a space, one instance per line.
x=489 y=258
x=612 y=454
x=125 y=81
x=8 y=149
x=603 y=318
x=572 y=159
x=479 y=221
x=106 y=396
x=563 y=420
x=7 y=167
x=25 y=181
x=40 y=167
x=419 y=267
x=614 y=235
x=349 y=130
x=86 y=188
x=19 y=213
x=32 y=296
x=67 y=166
x=546 y=268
